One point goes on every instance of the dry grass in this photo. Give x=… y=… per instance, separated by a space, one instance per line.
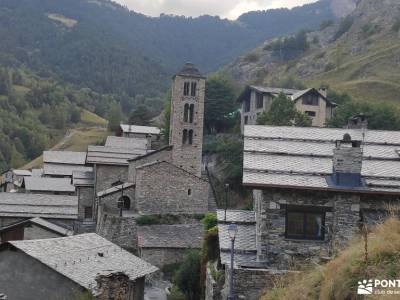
x=337 y=280
x=88 y=117
x=76 y=140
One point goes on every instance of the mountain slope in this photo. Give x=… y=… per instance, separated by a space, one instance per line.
x=359 y=55
x=102 y=45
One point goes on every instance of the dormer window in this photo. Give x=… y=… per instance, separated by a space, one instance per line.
x=186 y=88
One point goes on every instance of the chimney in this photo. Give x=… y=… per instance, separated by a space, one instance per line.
x=347 y=163
x=359 y=121
x=323 y=91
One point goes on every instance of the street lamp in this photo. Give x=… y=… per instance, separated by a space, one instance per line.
x=232 y=231
x=226 y=198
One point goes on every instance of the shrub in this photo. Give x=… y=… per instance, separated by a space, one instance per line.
x=209 y=221
x=187 y=277
x=176 y=294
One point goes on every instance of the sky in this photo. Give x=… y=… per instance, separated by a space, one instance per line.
x=230 y=9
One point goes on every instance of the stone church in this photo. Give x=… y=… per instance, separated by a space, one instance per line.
x=167 y=181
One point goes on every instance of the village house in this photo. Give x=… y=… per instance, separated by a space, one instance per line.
x=58 y=209
x=64 y=163
x=48 y=185
x=163 y=245
x=150 y=133
x=32 y=229
x=68 y=267
x=314 y=189
x=313 y=102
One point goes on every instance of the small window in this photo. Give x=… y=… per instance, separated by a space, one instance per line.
x=124 y=203
x=186 y=113
x=305 y=225
x=189 y=192
x=246 y=120
x=191 y=113
x=311 y=99
x=184 y=136
x=259 y=100
x=88 y=212
x=193 y=89
x=190 y=137
x=311 y=114
x=247 y=105
x=186 y=88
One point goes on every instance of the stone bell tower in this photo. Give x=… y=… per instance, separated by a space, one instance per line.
x=187 y=118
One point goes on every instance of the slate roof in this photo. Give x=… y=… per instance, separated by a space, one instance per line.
x=300 y=94
x=111 y=155
x=82 y=178
x=275 y=91
x=125 y=142
x=38 y=205
x=140 y=129
x=22 y=173
x=64 y=157
x=48 y=184
x=115 y=189
x=190 y=70
x=41 y=223
x=236 y=216
x=37 y=172
x=82 y=257
x=170 y=236
x=64 y=169
x=302 y=157
x=245 y=242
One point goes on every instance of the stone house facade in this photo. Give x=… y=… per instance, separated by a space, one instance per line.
x=163 y=245
x=76 y=265
x=163 y=188
x=313 y=188
x=256 y=100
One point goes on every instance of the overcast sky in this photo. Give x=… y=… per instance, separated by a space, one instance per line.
x=225 y=8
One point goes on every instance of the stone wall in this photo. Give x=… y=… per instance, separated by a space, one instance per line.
x=341 y=222
x=106 y=175
x=110 y=201
x=23 y=277
x=165 y=189
x=251 y=284
x=187 y=156
x=160 y=257
x=118 y=287
x=85 y=198
x=119 y=230
x=164 y=155
x=212 y=288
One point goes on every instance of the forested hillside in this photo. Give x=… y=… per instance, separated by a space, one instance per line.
x=59 y=57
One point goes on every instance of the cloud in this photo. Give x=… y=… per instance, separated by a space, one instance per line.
x=225 y=8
